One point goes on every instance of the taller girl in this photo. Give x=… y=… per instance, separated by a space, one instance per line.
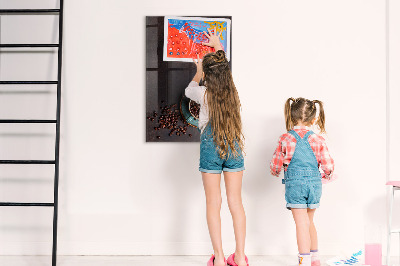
x=220 y=147
x=302 y=153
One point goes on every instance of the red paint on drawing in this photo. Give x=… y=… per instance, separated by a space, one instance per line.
x=181 y=46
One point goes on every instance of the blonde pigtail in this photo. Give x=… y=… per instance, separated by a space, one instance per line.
x=321 y=116
x=288 y=114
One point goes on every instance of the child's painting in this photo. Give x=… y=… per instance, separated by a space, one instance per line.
x=183 y=37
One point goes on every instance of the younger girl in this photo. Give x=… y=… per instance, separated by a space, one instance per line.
x=302 y=152
x=220 y=147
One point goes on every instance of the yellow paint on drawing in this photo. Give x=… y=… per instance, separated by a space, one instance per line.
x=219 y=26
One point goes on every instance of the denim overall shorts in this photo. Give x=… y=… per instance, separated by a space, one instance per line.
x=303 y=186
x=211 y=162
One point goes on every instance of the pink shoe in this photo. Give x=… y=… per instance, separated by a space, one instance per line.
x=316 y=263
x=211 y=261
x=231 y=260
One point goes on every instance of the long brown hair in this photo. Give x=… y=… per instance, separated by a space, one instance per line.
x=303 y=110
x=223 y=104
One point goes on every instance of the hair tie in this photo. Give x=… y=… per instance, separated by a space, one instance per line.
x=219 y=64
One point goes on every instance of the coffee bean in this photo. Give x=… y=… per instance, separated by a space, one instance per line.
x=194 y=109
x=170 y=118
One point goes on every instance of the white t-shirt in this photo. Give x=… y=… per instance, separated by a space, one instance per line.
x=197 y=94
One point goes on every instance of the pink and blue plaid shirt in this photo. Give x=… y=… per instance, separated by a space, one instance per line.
x=287 y=144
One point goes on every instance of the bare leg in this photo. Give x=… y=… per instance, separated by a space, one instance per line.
x=302 y=221
x=313 y=230
x=233 y=183
x=212 y=188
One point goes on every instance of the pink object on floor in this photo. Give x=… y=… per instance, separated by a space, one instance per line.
x=373 y=254
x=231 y=260
x=393 y=183
x=211 y=260
x=326 y=181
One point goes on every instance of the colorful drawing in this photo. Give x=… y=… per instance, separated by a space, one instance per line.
x=183 y=37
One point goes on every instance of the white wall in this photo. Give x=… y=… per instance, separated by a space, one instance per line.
x=117 y=199
x=394 y=110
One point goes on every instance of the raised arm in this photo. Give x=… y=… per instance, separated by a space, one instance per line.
x=193 y=90
x=199 y=72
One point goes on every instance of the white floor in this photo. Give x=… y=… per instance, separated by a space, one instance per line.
x=143 y=260
x=136 y=260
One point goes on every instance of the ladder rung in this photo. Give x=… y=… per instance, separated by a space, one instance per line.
x=29 y=82
x=28 y=11
x=38 y=204
x=26 y=121
x=27 y=161
x=395 y=231
x=33 y=45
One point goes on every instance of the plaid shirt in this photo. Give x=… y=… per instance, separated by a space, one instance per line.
x=287 y=144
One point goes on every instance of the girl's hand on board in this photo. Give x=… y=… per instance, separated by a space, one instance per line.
x=213 y=39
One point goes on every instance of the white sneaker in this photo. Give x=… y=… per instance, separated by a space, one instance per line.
x=304 y=260
x=315 y=259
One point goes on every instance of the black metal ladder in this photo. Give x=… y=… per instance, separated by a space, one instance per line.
x=57 y=82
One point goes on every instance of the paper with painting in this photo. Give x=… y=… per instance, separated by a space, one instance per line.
x=183 y=37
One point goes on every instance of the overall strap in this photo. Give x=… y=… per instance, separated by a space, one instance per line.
x=294 y=133
x=297 y=136
x=308 y=134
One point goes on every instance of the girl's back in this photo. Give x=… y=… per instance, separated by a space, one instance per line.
x=302 y=153
x=287 y=146
x=220 y=147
